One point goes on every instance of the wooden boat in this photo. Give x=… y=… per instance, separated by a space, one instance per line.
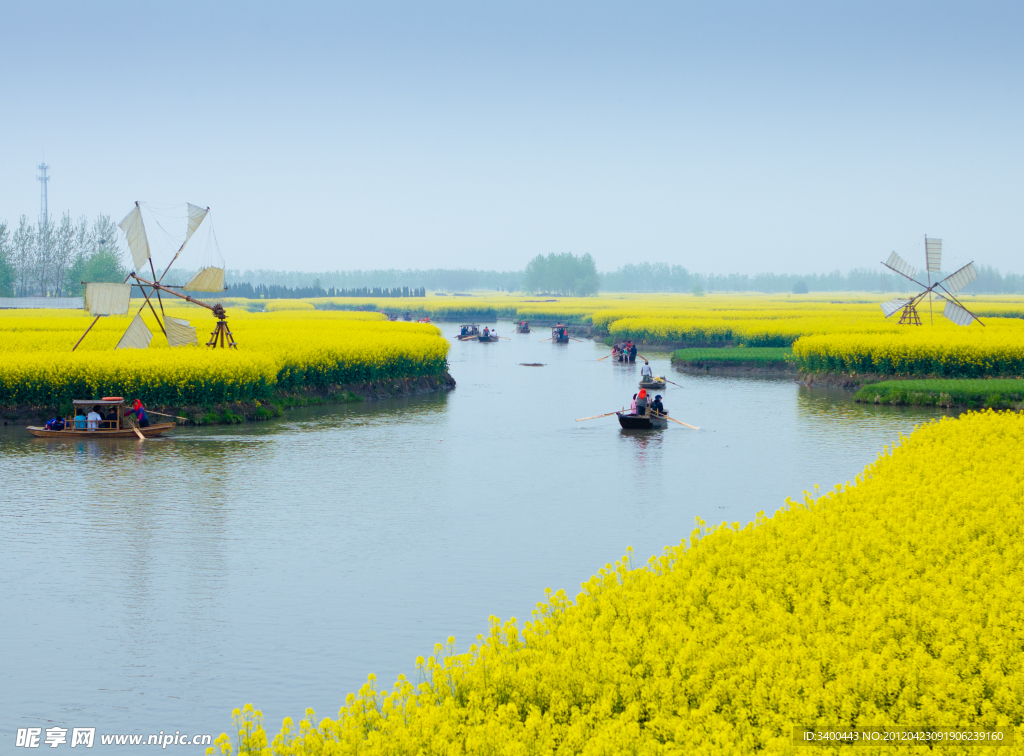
x=489 y=337
x=560 y=333
x=522 y=326
x=468 y=332
x=630 y=421
x=657 y=383
x=107 y=428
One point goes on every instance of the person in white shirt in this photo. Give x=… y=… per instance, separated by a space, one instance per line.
x=93 y=419
x=646 y=373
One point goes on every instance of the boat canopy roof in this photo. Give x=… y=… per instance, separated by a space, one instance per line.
x=470 y=325
x=90 y=402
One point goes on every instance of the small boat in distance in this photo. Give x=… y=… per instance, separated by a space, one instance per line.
x=488 y=335
x=657 y=382
x=469 y=332
x=111 y=426
x=560 y=333
x=523 y=326
x=629 y=421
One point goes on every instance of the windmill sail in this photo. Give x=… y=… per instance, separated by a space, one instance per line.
x=207 y=279
x=107 y=298
x=137 y=336
x=135 y=230
x=958 y=314
x=900 y=265
x=933 y=254
x=195 y=217
x=894 y=305
x=960 y=279
x=179 y=332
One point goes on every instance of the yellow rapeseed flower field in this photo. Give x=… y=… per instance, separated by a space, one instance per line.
x=895 y=600
x=282 y=350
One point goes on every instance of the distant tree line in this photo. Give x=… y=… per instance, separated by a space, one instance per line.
x=52 y=258
x=436 y=279
x=263 y=291
x=564 y=274
x=655 y=277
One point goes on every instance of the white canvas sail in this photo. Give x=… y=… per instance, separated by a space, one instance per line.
x=960 y=279
x=107 y=298
x=894 y=305
x=933 y=253
x=207 y=279
x=137 y=336
x=957 y=314
x=195 y=217
x=135 y=230
x=179 y=332
x=900 y=265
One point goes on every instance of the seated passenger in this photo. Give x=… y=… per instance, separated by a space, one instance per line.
x=657 y=406
x=110 y=421
x=641 y=402
x=56 y=423
x=93 y=419
x=80 y=420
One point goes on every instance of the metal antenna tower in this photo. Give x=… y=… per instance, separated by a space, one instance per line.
x=44 y=210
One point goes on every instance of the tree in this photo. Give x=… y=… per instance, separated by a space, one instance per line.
x=563 y=274
x=63 y=254
x=800 y=287
x=6 y=268
x=42 y=268
x=23 y=247
x=98 y=257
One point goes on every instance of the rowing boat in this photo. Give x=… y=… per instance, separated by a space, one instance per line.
x=657 y=383
x=630 y=421
x=153 y=430
x=113 y=428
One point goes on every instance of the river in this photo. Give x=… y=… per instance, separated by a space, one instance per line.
x=155 y=586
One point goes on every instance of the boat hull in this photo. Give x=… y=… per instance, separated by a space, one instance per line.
x=488 y=338
x=652 y=385
x=640 y=422
x=153 y=430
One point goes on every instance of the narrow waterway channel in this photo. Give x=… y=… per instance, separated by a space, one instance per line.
x=155 y=586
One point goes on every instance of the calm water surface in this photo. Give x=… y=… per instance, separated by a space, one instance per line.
x=155 y=586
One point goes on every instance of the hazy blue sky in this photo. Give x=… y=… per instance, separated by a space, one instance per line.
x=721 y=136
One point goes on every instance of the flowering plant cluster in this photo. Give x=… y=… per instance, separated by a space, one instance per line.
x=892 y=600
x=282 y=350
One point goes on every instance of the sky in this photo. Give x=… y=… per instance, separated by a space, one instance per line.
x=722 y=136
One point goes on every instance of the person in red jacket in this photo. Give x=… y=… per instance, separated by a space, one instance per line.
x=140 y=412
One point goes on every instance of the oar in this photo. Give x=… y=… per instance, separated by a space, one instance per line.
x=138 y=433
x=658 y=414
x=581 y=419
x=164 y=414
x=576 y=339
x=542 y=340
x=672 y=382
x=605 y=357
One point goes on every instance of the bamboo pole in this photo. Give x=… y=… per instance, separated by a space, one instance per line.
x=658 y=414
x=86 y=333
x=164 y=414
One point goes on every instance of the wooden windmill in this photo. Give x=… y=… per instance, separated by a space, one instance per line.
x=945 y=289
x=115 y=299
